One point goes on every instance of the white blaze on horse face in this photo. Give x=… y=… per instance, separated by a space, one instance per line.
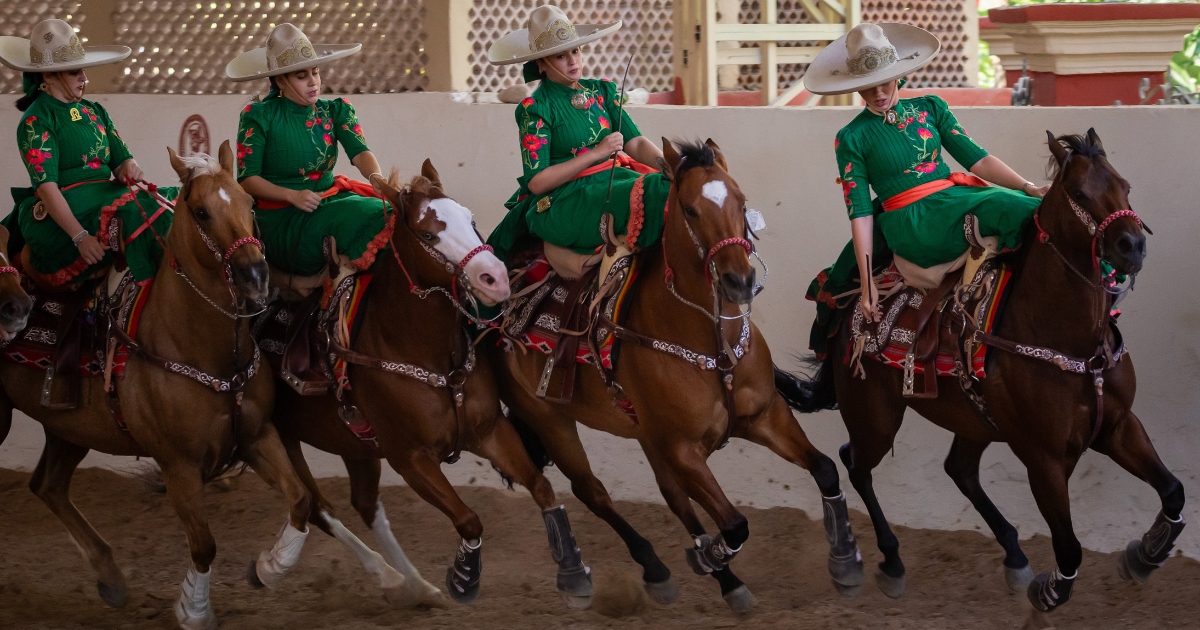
x=224 y=195
x=716 y=192
x=488 y=276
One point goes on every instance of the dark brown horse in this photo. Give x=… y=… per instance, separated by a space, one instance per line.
x=418 y=384
x=193 y=397
x=15 y=305
x=1045 y=407
x=686 y=412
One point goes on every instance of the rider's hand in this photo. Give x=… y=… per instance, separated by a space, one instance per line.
x=1035 y=191
x=611 y=143
x=869 y=303
x=305 y=200
x=129 y=172
x=377 y=181
x=91 y=250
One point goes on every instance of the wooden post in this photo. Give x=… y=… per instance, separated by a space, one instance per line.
x=446 y=46
x=769 y=68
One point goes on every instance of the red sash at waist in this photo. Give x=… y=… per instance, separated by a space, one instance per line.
x=341 y=183
x=623 y=161
x=917 y=193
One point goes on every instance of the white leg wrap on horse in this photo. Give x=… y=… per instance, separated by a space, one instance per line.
x=192 y=610
x=372 y=562
x=273 y=565
x=391 y=547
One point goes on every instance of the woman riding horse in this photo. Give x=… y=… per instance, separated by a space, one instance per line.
x=80 y=170
x=894 y=146
x=569 y=133
x=287 y=150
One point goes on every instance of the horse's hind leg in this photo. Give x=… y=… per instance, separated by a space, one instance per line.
x=51 y=482
x=561 y=439
x=1129 y=446
x=364 y=496
x=424 y=475
x=267 y=456
x=503 y=447
x=962 y=465
x=778 y=430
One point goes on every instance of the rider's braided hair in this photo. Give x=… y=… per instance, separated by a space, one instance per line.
x=29 y=79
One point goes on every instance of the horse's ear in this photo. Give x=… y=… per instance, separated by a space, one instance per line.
x=225 y=157
x=671 y=156
x=430 y=173
x=718 y=155
x=177 y=164
x=1056 y=148
x=1094 y=139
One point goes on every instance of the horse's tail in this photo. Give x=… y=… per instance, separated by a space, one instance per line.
x=807 y=395
x=533 y=447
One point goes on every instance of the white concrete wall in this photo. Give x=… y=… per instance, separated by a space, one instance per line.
x=783 y=160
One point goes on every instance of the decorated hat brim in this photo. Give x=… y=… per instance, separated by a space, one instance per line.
x=252 y=64
x=514 y=47
x=14 y=53
x=829 y=73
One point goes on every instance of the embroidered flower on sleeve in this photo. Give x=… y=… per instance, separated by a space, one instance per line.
x=35 y=157
x=527 y=101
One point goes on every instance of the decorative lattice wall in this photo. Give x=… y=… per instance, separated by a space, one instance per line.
x=182 y=46
x=18 y=18
x=646 y=33
x=945 y=18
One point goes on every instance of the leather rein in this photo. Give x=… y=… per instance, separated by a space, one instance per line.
x=456 y=379
x=1106 y=356
x=727 y=356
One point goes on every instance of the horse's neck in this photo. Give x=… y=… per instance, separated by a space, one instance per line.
x=1048 y=304
x=400 y=325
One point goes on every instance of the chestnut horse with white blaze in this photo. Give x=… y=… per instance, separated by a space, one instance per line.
x=697 y=372
x=416 y=380
x=195 y=395
x=1058 y=383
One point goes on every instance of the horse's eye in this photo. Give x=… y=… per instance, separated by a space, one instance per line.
x=690 y=211
x=427 y=236
x=201 y=214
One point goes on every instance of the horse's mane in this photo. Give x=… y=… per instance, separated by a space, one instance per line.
x=200 y=164
x=693 y=154
x=1077 y=144
x=421 y=185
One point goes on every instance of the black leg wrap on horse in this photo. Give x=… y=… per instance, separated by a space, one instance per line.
x=710 y=554
x=1143 y=556
x=1050 y=590
x=574 y=577
x=845 y=561
x=462 y=578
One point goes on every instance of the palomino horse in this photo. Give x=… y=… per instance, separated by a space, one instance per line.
x=195 y=396
x=696 y=376
x=416 y=381
x=1048 y=406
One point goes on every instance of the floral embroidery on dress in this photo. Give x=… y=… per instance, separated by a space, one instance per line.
x=97 y=156
x=847 y=185
x=914 y=123
x=533 y=136
x=321 y=122
x=33 y=145
x=243 y=148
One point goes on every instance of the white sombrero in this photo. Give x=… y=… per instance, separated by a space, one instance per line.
x=54 y=47
x=870 y=55
x=287 y=50
x=547 y=32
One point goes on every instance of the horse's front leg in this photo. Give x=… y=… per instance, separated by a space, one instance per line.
x=267 y=456
x=779 y=431
x=1129 y=446
x=185 y=489
x=1048 y=479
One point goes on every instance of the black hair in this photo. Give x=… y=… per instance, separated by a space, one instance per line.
x=694 y=154
x=29 y=78
x=1079 y=145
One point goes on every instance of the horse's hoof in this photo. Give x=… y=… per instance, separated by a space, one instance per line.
x=576 y=602
x=1049 y=591
x=665 y=592
x=115 y=595
x=1018 y=579
x=740 y=600
x=1130 y=565
x=575 y=583
x=252 y=575
x=207 y=621
x=464 y=597
x=893 y=587
x=848 y=591
x=847 y=571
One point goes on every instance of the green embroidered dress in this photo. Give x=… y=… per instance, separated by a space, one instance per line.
x=892 y=159
x=295 y=146
x=77 y=146
x=552 y=131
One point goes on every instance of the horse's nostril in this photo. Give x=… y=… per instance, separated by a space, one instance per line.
x=488 y=279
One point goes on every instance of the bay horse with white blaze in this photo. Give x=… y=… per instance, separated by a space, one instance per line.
x=1058 y=382
x=695 y=375
x=418 y=387
x=195 y=395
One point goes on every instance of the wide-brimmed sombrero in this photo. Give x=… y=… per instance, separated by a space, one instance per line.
x=870 y=55
x=53 y=46
x=287 y=50
x=548 y=32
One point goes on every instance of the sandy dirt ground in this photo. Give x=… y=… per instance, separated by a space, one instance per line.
x=954 y=578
